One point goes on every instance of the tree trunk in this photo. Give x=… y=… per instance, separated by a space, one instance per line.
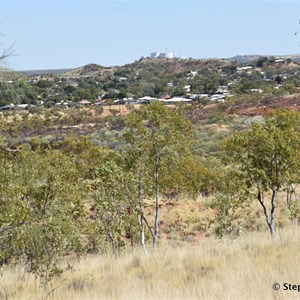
x=270 y=218
x=290 y=191
x=142 y=231
x=156 y=201
x=272 y=212
x=141 y=216
x=112 y=243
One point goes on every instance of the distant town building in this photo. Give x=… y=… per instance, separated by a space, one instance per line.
x=244 y=68
x=84 y=102
x=279 y=61
x=155 y=55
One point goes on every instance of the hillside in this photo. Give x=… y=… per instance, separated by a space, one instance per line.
x=245 y=59
x=204 y=82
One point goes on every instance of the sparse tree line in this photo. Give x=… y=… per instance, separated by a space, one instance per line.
x=71 y=196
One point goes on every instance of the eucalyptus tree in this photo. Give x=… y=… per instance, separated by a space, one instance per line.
x=157 y=136
x=41 y=210
x=112 y=201
x=268 y=156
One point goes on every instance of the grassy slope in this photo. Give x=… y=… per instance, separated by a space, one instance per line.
x=244 y=269
x=189 y=264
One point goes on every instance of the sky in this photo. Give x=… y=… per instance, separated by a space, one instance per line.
x=69 y=34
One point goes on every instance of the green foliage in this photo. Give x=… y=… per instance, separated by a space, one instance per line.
x=186 y=176
x=268 y=157
x=158 y=138
x=17 y=92
x=157 y=133
x=45 y=84
x=230 y=203
x=268 y=153
x=41 y=210
x=112 y=194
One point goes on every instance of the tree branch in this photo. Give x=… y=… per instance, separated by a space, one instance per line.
x=150 y=229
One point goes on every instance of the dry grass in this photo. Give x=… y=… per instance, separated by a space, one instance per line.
x=190 y=220
x=243 y=269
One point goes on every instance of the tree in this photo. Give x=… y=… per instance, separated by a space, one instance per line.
x=44 y=84
x=278 y=79
x=7 y=52
x=112 y=197
x=110 y=193
x=69 y=89
x=262 y=62
x=229 y=202
x=160 y=135
x=268 y=157
x=41 y=210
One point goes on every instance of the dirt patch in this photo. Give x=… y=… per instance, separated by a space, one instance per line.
x=120 y=109
x=268 y=104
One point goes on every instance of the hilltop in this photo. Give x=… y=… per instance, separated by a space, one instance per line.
x=243 y=59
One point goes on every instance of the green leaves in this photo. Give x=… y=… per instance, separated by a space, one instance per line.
x=41 y=209
x=158 y=132
x=268 y=156
x=113 y=200
x=158 y=138
x=268 y=153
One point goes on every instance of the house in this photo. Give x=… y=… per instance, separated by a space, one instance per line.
x=246 y=68
x=146 y=99
x=129 y=100
x=199 y=96
x=256 y=90
x=99 y=102
x=8 y=107
x=84 y=102
x=22 y=106
x=176 y=100
x=187 y=88
x=218 y=97
x=222 y=89
x=191 y=75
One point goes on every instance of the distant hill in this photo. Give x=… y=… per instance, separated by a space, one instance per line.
x=245 y=59
x=90 y=69
x=45 y=72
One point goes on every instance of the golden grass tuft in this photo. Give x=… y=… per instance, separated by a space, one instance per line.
x=242 y=269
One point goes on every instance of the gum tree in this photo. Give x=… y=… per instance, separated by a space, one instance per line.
x=112 y=196
x=158 y=136
x=41 y=210
x=268 y=158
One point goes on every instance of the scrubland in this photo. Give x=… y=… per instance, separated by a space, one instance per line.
x=189 y=262
x=245 y=268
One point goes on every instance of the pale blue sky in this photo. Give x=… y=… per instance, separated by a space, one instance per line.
x=66 y=34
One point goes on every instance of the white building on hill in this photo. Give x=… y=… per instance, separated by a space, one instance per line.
x=155 y=55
